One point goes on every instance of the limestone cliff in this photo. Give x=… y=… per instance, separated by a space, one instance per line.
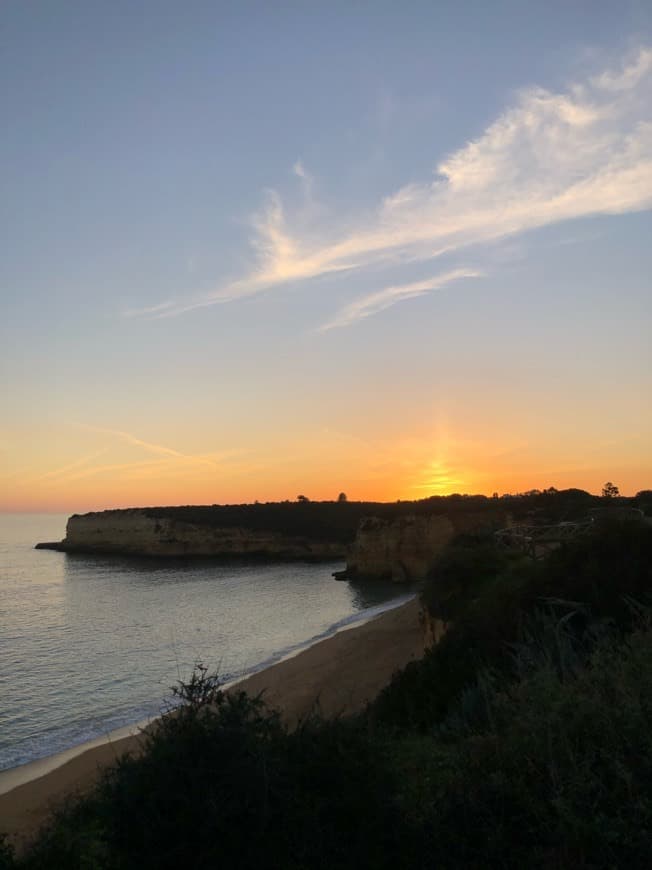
x=402 y=548
x=406 y=548
x=133 y=532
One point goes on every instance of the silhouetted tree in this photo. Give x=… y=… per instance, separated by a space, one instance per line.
x=303 y=498
x=342 y=497
x=609 y=490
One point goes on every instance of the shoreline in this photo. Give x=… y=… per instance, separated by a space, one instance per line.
x=264 y=556
x=335 y=675
x=21 y=774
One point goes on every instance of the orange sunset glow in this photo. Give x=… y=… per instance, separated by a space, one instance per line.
x=427 y=289
x=106 y=469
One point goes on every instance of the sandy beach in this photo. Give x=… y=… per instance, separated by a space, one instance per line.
x=336 y=676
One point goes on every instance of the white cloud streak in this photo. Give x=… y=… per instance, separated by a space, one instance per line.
x=382 y=299
x=551 y=157
x=158 y=449
x=166 y=454
x=73 y=466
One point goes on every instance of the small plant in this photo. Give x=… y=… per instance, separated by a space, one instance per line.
x=201 y=690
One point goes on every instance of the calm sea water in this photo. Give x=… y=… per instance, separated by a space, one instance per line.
x=89 y=644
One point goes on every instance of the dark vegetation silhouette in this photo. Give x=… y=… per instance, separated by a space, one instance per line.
x=610 y=490
x=338 y=521
x=523 y=739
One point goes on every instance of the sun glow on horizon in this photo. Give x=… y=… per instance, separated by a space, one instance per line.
x=115 y=469
x=402 y=279
x=441 y=479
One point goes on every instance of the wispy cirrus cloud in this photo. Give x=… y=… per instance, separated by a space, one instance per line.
x=550 y=157
x=372 y=303
x=82 y=462
x=150 y=461
x=158 y=449
x=164 y=456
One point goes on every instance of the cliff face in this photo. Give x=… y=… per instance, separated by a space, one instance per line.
x=401 y=549
x=133 y=532
x=405 y=549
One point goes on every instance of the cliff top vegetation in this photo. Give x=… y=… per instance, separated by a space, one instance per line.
x=338 y=520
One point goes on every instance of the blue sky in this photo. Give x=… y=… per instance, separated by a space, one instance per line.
x=323 y=242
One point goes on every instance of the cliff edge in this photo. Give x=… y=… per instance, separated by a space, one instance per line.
x=401 y=548
x=406 y=548
x=136 y=532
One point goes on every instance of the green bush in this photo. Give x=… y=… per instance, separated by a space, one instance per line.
x=490 y=597
x=559 y=774
x=222 y=783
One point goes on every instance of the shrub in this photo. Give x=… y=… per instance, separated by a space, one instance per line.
x=560 y=775
x=222 y=783
x=491 y=597
x=6 y=854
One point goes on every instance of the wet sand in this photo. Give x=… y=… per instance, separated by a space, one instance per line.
x=336 y=676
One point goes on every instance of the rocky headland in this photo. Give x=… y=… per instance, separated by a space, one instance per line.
x=377 y=541
x=134 y=532
x=405 y=549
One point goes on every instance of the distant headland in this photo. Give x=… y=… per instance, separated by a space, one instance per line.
x=388 y=540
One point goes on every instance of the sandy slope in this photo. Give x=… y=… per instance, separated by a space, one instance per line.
x=335 y=676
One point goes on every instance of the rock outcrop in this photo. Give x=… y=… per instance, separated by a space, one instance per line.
x=405 y=549
x=432 y=627
x=401 y=550
x=133 y=532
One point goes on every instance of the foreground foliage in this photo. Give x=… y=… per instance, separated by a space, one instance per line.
x=489 y=597
x=523 y=739
x=222 y=783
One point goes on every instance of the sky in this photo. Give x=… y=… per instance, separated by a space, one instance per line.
x=256 y=250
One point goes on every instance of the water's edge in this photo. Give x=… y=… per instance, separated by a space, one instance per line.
x=13 y=777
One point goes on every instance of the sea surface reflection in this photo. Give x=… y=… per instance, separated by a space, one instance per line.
x=88 y=644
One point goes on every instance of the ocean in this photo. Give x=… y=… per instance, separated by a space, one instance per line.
x=89 y=644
